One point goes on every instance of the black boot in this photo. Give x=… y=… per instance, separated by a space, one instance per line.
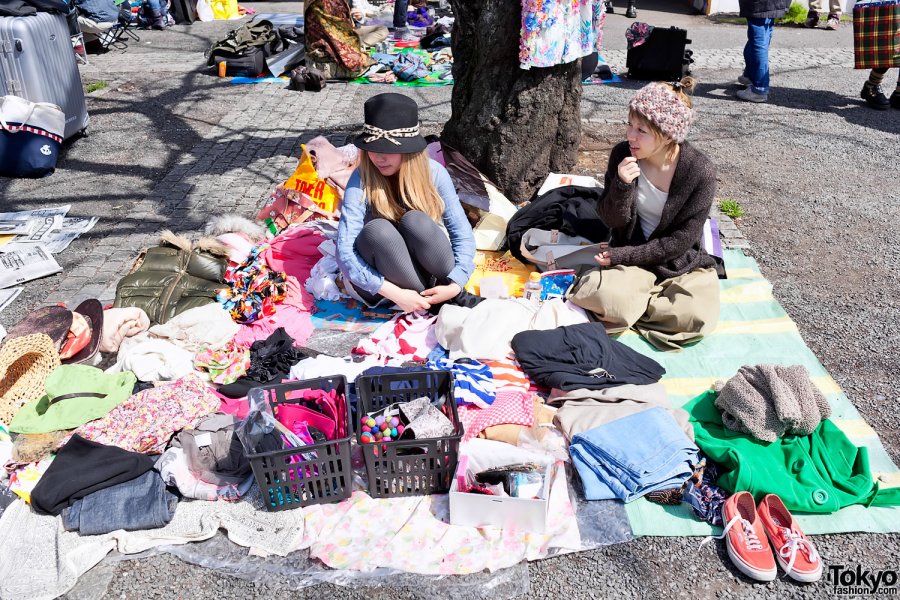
x=874 y=97
x=157 y=21
x=466 y=299
x=631 y=11
x=609 y=7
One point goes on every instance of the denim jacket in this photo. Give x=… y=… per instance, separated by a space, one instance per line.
x=354 y=211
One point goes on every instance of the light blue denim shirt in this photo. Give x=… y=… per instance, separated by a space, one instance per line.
x=354 y=208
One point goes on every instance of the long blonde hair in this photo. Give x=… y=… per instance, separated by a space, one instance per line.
x=410 y=189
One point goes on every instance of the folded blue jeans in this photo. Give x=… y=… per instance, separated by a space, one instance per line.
x=142 y=503
x=633 y=456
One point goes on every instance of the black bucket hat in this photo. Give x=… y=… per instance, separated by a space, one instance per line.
x=391 y=125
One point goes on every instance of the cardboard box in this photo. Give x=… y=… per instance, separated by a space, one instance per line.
x=523 y=514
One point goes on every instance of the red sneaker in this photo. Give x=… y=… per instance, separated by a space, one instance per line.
x=745 y=538
x=793 y=550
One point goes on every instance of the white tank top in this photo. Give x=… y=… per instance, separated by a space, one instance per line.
x=650 y=203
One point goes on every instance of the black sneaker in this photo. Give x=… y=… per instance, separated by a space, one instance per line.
x=895 y=100
x=631 y=12
x=874 y=97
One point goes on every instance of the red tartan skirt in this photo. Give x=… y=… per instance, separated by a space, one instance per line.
x=876 y=34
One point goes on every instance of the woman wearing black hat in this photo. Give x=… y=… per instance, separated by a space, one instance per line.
x=403 y=234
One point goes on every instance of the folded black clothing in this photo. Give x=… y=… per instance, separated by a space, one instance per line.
x=581 y=356
x=142 y=503
x=82 y=467
x=271 y=360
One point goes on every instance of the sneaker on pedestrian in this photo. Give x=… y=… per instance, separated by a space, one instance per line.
x=833 y=23
x=794 y=552
x=745 y=81
x=812 y=19
x=874 y=97
x=402 y=34
x=749 y=95
x=745 y=538
x=895 y=100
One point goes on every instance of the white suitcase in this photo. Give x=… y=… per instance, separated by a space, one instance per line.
x=37 y=63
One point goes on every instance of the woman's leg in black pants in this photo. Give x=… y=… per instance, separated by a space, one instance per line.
x=381 y=245
x=428 y=245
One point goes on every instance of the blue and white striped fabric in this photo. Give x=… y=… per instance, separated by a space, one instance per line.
x=474 y=382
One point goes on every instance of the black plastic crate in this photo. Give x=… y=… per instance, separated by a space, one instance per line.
x=409 y=467
x=286 y=478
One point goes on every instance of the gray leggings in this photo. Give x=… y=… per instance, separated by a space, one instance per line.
x=413 y=254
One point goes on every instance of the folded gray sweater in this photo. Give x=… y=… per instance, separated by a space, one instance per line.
x=771 y=401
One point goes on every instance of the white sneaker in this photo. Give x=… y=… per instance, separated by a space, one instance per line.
x=744 y=81
x=749 y=95
x=402 y=34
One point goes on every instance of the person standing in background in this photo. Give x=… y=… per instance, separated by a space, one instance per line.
x=401 y=31
x=834 y=14
x=873 y=95
x=760 y=15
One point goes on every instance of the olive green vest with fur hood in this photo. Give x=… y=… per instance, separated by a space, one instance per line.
x=175 y=276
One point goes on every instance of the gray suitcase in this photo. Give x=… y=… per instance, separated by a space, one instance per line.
x=37 y=63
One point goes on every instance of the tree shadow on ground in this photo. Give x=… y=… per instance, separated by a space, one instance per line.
x=851 y=108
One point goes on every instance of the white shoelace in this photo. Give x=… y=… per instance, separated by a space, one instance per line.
x=794 y=543
x=752 y=542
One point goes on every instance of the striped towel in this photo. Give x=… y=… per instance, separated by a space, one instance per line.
x=474 y=383
x=508 y=376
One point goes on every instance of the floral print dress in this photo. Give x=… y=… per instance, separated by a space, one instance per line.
x=555 y=32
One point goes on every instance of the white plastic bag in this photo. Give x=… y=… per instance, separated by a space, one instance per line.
x=205 y=11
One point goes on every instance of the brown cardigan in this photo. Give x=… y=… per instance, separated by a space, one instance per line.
x=675 y=247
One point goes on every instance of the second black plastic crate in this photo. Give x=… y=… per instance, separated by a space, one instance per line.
x=409 y=467
x=314 y=474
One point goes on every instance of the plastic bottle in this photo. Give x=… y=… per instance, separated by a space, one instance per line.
x=533 y=288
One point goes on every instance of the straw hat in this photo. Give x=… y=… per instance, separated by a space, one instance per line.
x=25 y=363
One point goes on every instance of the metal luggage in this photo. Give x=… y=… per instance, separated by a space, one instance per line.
x=37 y=63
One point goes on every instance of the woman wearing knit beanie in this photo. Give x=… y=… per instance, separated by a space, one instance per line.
x=656 y=276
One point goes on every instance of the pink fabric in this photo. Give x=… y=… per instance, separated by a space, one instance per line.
x=510 y=408
x=294 y=313
x=408 y=335
x=239 y=407
x=239 y=246
x=295 y=252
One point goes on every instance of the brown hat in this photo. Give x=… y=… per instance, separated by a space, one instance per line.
x=58 y=321
x=25 y=363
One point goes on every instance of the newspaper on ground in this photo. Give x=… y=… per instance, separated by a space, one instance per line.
x=46 y=226
x=39 y=225
x=33 y=261
x=8 y=295
x=15 y=226
x=58 y=240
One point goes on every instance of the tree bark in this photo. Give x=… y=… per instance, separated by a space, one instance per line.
x=515 y=125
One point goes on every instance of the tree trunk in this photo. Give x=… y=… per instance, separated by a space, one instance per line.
x=515 y=125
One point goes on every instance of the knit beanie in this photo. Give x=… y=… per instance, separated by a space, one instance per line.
x=658 y=104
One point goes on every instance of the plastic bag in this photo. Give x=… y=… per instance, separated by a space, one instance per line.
x=306 y=180
x=224 y=9
x=205 y=11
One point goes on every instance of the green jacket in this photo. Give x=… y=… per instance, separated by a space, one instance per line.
x=172 y=280
x=818 y=473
